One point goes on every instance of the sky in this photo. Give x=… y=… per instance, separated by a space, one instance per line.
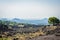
x=29 y=9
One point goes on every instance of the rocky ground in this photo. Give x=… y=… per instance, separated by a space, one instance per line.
x=49 y=37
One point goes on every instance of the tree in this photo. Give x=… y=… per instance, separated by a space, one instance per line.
x=53 y=20
x=0 y=22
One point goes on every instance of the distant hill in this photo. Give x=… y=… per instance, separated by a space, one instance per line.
x=41 y=22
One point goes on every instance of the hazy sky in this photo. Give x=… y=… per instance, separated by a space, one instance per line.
x=29 y=9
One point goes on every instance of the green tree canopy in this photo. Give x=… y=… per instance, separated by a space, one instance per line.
x=53 y=20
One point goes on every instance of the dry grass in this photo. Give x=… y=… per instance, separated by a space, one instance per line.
x=30 y=35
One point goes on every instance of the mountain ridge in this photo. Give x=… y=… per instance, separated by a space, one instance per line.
x=41 y=21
